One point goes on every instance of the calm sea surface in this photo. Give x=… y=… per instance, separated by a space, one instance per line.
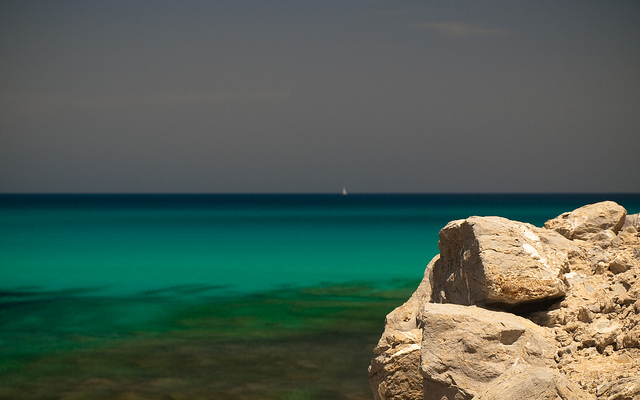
x=132 y=244
x=99 y=277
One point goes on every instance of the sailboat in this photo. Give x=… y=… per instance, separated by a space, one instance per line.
x=344 y=191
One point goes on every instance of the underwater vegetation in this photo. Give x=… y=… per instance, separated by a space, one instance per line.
x=311 y=343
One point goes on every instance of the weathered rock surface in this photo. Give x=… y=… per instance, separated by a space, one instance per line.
x=395 y=370
x=589 y=221
x=575 y=285
x=464 y=348
x=622 y=389
x=523 y=382
x=486 y=260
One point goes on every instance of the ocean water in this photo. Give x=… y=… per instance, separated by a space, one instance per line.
x=153 y=296
x=225 y=244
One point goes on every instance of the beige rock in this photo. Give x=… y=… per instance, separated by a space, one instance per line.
x=589 y=221
x=466 y=347
x=632 y=220
x=627 y=236
x=486 y=260
x=602 y=333
x=590 y=335
x=394 y=372
x=621 y=389
x=621 y=263
x=524 y=382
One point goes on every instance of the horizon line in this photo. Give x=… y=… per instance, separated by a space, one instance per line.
x=337 y=193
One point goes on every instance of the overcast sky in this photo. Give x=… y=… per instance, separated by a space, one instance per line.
x=308 y=96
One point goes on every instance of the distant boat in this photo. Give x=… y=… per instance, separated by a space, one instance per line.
x=344 y=191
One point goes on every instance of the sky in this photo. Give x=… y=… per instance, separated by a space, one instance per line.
x=235 y=96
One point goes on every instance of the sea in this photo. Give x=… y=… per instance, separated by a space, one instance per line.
x=221 y=296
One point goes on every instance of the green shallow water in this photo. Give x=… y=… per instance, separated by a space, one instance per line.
x=312 y=343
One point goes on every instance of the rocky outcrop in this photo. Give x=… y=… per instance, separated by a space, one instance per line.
x=510 y=310
x=586 y=222
x=395 y=370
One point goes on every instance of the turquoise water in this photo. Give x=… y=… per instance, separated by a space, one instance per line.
x=91 y=285
x=124 y=245
x=131 y=244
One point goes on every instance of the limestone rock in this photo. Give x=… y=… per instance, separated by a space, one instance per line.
x=394 y=372
x=621 y=389
x=590 y=335
x=486 y=260
x=523 y=382
x=623 y=262
x=586 y=222
x=466 y=347
x=632 y=220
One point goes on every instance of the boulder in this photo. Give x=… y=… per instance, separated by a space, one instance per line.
x=485 y=260
x=394 y=372
x=466 y=347
x=523 y=382
x=588 y=221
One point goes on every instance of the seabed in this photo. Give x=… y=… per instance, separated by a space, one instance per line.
x=312 y=343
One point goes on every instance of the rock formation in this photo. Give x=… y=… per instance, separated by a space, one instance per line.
x=486 y=260
x=466 y=347
x=510 y=310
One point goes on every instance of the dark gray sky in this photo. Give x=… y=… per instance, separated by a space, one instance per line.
x=308 y=96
